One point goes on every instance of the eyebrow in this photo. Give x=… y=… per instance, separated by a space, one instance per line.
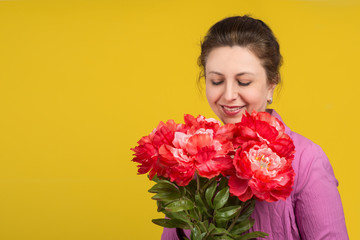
x=239 y=74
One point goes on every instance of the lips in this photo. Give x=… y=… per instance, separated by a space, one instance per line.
x=231 y=110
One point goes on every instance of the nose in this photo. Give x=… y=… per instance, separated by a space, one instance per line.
x=230 y=93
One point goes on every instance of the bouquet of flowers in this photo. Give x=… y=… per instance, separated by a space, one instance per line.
x=209 y=175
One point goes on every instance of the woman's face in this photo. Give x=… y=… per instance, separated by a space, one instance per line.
x=235 y=82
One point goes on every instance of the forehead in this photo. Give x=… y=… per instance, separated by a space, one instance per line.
x=233 y=60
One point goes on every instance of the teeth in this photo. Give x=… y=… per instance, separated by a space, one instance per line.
x=233 y=109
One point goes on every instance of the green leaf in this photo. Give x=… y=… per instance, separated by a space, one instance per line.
x=211 y=227
x=171 y=223
x=155 y=178
x=179 y=205
x=182 y=191
x=202 y=226
x=200 y=203
x=242 y=226
x=223 y=183
x=161 y=204
x=206 y=224
x=191 y=188
x=178 y=215
x=221 y=198
x=220 y=223
x=196 y=233
x=219 y=231
x=233 y=200
x=163 y=187
x=203 y=180
x=223 y=237
x=209 y=193
x=226 y=213
x=161 y=180
x=167 y=196
x=252 y=235
x=194 y=214
x=247 y=210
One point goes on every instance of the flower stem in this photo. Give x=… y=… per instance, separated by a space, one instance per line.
x=234 y=220
x=197 y=183
x=207 y=184
x=197 y=192
x=208 y=234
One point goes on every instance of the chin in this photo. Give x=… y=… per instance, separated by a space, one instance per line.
x=232 y=120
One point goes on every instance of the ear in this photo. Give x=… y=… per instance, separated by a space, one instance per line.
x=271 y=90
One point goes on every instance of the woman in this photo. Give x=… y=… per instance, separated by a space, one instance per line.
x=240 y=59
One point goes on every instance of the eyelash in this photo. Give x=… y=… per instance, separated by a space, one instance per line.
x=216 y=83
x=243 y=84
x=240 y=83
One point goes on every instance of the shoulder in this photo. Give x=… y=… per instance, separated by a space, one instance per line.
x=305 y=149
x=310 y=164
x=314 y=185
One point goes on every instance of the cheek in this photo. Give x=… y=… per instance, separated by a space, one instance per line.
x=255 y=98
x=211 y=95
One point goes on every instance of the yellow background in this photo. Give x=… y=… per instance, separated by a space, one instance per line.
x=82 y=81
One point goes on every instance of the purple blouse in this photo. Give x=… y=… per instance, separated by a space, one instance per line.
x=312 y=211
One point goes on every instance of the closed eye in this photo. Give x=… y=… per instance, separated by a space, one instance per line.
x=216 y=83
x=243 y=84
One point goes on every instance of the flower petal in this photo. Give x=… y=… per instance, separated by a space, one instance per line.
x=240 y=188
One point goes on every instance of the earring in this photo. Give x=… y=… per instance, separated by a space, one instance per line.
x=270 y=100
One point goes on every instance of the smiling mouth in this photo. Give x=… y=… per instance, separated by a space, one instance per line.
x=231 y=110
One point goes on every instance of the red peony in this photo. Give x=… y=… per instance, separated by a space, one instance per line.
x=263 y=160
x=201 y=151
x=147 y=152
x=260 y=167
x=254 y=156
x=177 y=151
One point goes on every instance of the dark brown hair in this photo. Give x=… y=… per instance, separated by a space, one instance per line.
x=244 y=31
